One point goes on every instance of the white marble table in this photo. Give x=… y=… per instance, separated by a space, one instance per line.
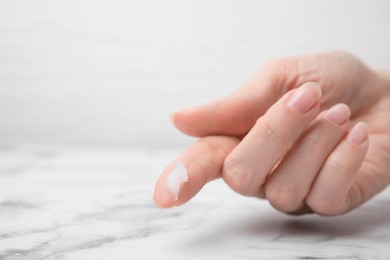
x=95 y=203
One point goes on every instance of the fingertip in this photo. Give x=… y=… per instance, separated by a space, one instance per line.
x=186 y=176
x=339 y=114
x=187 y=121
x=233 y=115
x=160 y=198
x=162 y=204
x=175 y=185
x=163 y=197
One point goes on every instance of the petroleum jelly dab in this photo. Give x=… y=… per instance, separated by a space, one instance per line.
x=176 y=178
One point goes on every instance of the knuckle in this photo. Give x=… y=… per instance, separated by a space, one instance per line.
x=358 y=194
x=214 y=145
x=336 y=163
x=317 y=141
x=285 y=71
x=282 y=198
x=324 y=206
x=267 y=130
x=235 y=178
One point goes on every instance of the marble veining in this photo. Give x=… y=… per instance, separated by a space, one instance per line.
x=96 y=203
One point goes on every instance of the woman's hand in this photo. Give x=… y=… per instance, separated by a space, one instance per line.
x=294 y=134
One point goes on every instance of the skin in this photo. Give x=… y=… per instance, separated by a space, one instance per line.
x=326 y=152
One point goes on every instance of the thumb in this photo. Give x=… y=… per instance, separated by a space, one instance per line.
x=233 y=115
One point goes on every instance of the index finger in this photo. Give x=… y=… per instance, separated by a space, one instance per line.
x=200 y=163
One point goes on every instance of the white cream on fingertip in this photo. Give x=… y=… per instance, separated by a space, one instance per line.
x=176 y=178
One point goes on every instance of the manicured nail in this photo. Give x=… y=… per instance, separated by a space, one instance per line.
x=338 y=114
x=358 y=134
x=305 y=97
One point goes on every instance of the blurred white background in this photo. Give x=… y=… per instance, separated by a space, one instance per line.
x=111 y=72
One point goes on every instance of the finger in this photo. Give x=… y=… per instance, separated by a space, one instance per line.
x=247 y=166
x=290 y=182
x=235 y=115
x=202 y=161
x=329 y=193
x=217 y=117
x=373 y=176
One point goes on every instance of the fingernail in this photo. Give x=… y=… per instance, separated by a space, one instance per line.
x=305 y=97
x=338 y=114
x=358 y=134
